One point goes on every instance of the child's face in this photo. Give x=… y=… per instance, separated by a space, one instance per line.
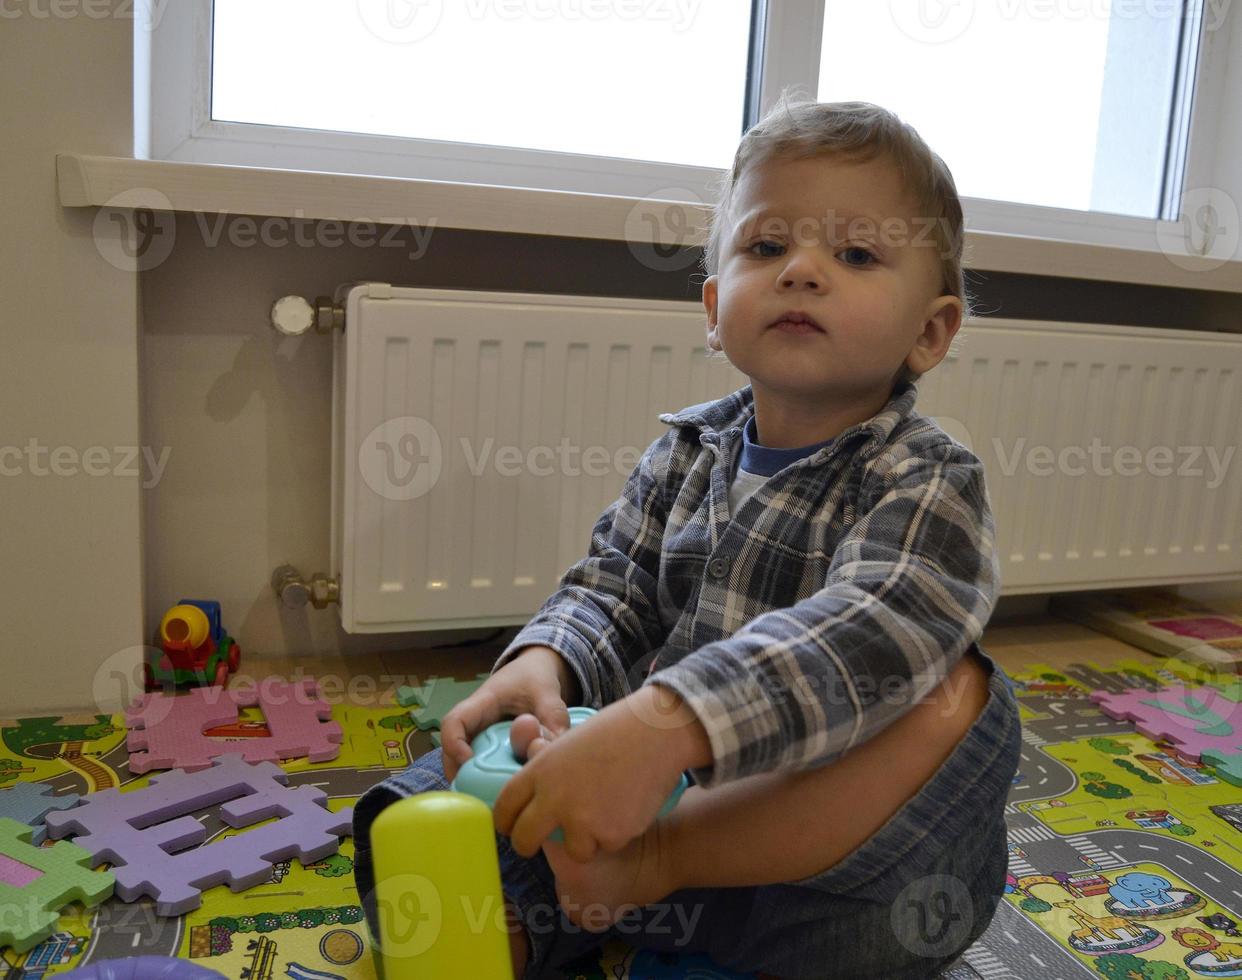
x=794 y=240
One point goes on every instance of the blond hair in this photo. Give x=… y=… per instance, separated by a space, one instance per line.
x=858 y=132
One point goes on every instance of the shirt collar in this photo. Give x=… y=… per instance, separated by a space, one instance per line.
x=714 y=418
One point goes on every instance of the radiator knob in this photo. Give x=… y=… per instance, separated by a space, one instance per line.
x=294 y=593
x=292 y=316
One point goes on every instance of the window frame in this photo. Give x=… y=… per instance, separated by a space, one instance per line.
x=172 y=115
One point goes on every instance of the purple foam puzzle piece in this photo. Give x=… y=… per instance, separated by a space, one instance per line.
x=166 y=731
x=135 y=831
x=29 y=803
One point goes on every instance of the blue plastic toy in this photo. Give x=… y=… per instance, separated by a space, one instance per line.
x=485 y=773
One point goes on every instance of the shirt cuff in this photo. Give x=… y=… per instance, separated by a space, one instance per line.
x=574 y=650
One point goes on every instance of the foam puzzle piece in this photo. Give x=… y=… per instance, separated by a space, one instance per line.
x=436 y=698
x=1204 y=723
x=29 y=803
x=145 y=833
x=37 y=882
x=166 y=731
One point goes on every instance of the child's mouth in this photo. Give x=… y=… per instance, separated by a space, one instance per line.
x=791 y=326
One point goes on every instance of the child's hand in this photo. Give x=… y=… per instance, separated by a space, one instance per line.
x=602 y=782
x=531 y=682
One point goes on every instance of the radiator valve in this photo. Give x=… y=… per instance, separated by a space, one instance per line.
x=295 y=591
x=292 y=316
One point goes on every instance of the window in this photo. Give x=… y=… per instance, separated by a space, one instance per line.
x=1061 y=105
x=623 y=80
x=1082 y=120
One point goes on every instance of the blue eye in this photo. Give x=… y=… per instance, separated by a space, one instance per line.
x=769 y=243
x=859 y=248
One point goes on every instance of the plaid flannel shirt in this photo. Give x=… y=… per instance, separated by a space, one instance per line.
x=844 y=589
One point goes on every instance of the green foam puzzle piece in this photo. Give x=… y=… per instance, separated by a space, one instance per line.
x=436 y=698
x=64 y=875
x=1228 y=764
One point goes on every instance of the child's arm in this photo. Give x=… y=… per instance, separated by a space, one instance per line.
x=910 y=588
x=603 y=617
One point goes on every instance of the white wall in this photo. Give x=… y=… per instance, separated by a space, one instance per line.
x=70 y=555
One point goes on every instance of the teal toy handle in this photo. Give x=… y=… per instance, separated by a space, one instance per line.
x=485 y=773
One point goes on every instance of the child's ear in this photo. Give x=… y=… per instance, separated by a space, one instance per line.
x=710 y=295
x=942 y=322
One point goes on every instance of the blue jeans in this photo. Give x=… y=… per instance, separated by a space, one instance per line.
x=904 y=905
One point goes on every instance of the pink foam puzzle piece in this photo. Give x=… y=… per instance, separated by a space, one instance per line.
x=166 y=731
x=144 y=833
x=1204 y=723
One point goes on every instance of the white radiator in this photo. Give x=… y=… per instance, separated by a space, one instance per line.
x=479 y=435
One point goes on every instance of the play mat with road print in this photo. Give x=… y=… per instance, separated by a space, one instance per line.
x=1124 y=861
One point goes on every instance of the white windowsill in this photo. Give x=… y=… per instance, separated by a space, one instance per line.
x=86 y=181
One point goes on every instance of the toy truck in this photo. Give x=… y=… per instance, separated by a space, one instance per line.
x=194 y=649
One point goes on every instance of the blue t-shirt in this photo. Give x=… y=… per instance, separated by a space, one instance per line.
x=756 y=463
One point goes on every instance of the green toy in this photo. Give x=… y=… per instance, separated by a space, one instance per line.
x=437 y=890
x=436 y=698
x=37 y=882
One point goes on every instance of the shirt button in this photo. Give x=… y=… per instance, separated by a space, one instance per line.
x=718 y=567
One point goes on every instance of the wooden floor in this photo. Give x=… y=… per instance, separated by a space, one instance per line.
x=1013 y=644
